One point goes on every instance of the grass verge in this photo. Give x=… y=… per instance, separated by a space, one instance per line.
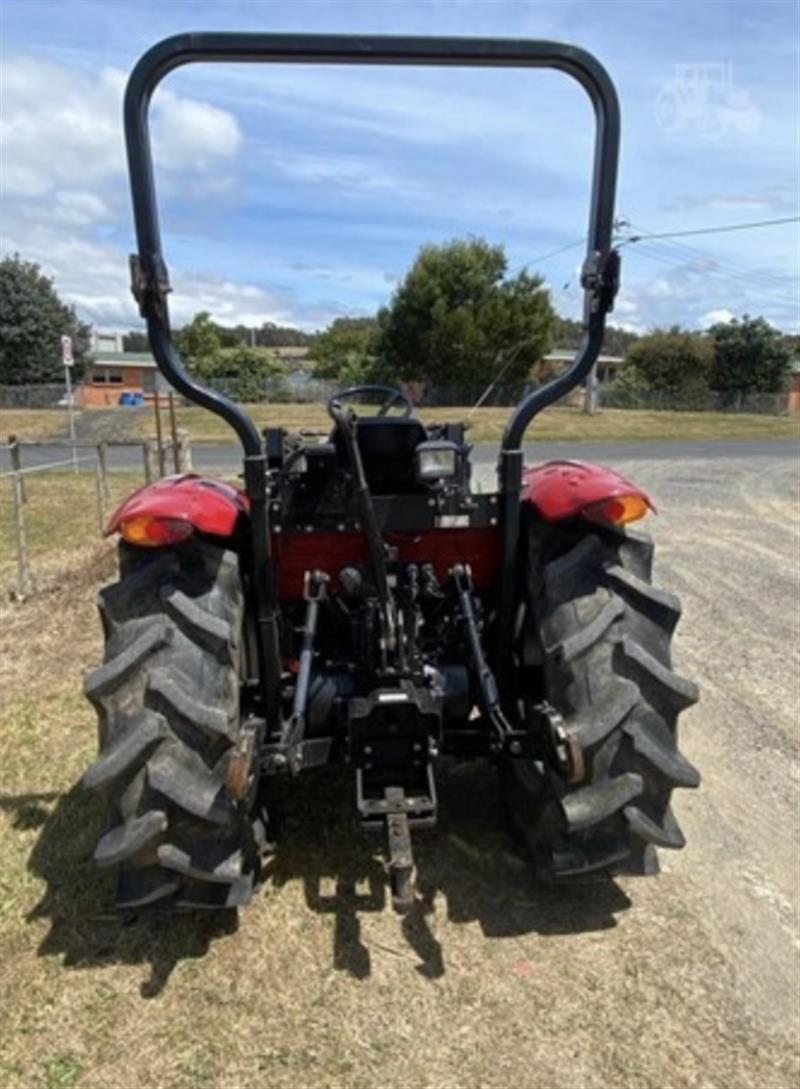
x=486 y=424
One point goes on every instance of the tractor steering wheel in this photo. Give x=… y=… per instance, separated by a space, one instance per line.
x=393 y=395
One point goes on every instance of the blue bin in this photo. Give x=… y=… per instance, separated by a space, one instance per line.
x=126 y=398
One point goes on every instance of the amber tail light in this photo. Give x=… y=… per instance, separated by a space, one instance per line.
x=148 y=531
x=618 y=510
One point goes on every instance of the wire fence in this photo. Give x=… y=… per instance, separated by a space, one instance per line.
x=759 y=404
x=51 y=510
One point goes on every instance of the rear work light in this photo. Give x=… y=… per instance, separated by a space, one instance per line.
x=618 y=510
x=148 y=531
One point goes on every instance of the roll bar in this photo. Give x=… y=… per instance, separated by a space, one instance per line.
x=150 y=279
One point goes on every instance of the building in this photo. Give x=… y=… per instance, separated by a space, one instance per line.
x=113 y=372
x=290 y=353
x=608 y=366
x=793 y=400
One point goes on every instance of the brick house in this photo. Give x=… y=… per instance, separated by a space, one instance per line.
x=113 y=371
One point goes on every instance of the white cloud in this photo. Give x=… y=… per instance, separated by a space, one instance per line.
x=62 y=128
x=63 y=166
x=342 y=171
x=94 y=277
x=192 y=135
x=662 y=288
x=80 y=208
x=723 y=316
x=776 y=199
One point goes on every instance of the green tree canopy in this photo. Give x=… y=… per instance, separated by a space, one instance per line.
x=246 y=374
x=346 y=350
x=271 y=335
x=135 y=340
x=198 y=342
x=457 y=319
x=616 y=341
x=750 y=356
x=671 y=361
x=32 y=321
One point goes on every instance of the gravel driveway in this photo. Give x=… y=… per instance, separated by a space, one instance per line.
x=685 y=980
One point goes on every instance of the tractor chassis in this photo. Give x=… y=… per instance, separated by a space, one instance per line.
x=393 y=735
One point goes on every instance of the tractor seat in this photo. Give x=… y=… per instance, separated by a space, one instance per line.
x=387 y=445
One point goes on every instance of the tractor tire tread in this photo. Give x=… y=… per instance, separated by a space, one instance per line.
x=167 y=698
x=605 y=634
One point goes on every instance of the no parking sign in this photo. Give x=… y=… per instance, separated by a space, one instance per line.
x=66 y=351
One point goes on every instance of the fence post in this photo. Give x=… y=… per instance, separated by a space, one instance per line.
x=173 y=425
x=185 y=452
x=159 y=436
x=16 y=463
x=99 y=480
x=146 y=451
x=23 y=576
x=102 y=469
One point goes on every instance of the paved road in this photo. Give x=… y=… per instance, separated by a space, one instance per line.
x=227 y=458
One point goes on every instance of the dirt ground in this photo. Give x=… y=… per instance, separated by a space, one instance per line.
x=687 y=980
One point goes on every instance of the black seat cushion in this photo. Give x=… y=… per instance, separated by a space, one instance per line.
x=387 y=445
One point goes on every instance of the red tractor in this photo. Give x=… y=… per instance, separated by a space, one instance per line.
x=358 y=603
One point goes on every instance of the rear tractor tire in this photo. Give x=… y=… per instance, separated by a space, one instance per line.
x=601 y=634
x=167 y=700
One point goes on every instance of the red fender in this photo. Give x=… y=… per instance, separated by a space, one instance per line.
x=210 y=506
x=563 y=489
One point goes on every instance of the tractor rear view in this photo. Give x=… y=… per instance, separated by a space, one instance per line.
x=358 y=602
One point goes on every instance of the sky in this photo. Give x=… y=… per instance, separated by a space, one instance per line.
x=296 y=194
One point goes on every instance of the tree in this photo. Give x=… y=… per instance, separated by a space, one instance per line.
x=271 y=335
x=198 y=342
x=670 y=361
x=346 y=350
x=457 y=320
x=616 y=341
x=750 y=357
x=32 y=321
x=135 y=341
x=245 y=374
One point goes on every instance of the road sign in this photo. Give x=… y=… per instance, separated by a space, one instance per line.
x=66 y=351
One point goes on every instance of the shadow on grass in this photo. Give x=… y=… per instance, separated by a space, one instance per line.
x=469 y=860
x=77 y=896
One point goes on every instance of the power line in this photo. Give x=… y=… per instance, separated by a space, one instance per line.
x=552 y=253
x=713 y=230
x=755 y=278
x=678 y=260
x=674 y=261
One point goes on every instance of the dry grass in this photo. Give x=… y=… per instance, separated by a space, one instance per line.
x=486 y=424
x=491 y=982
x=61 y=515
x=33 y=423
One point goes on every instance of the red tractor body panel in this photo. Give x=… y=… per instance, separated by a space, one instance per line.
x=562 y=489
x=557 y=489
x=209 y=505
x=296 y=553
